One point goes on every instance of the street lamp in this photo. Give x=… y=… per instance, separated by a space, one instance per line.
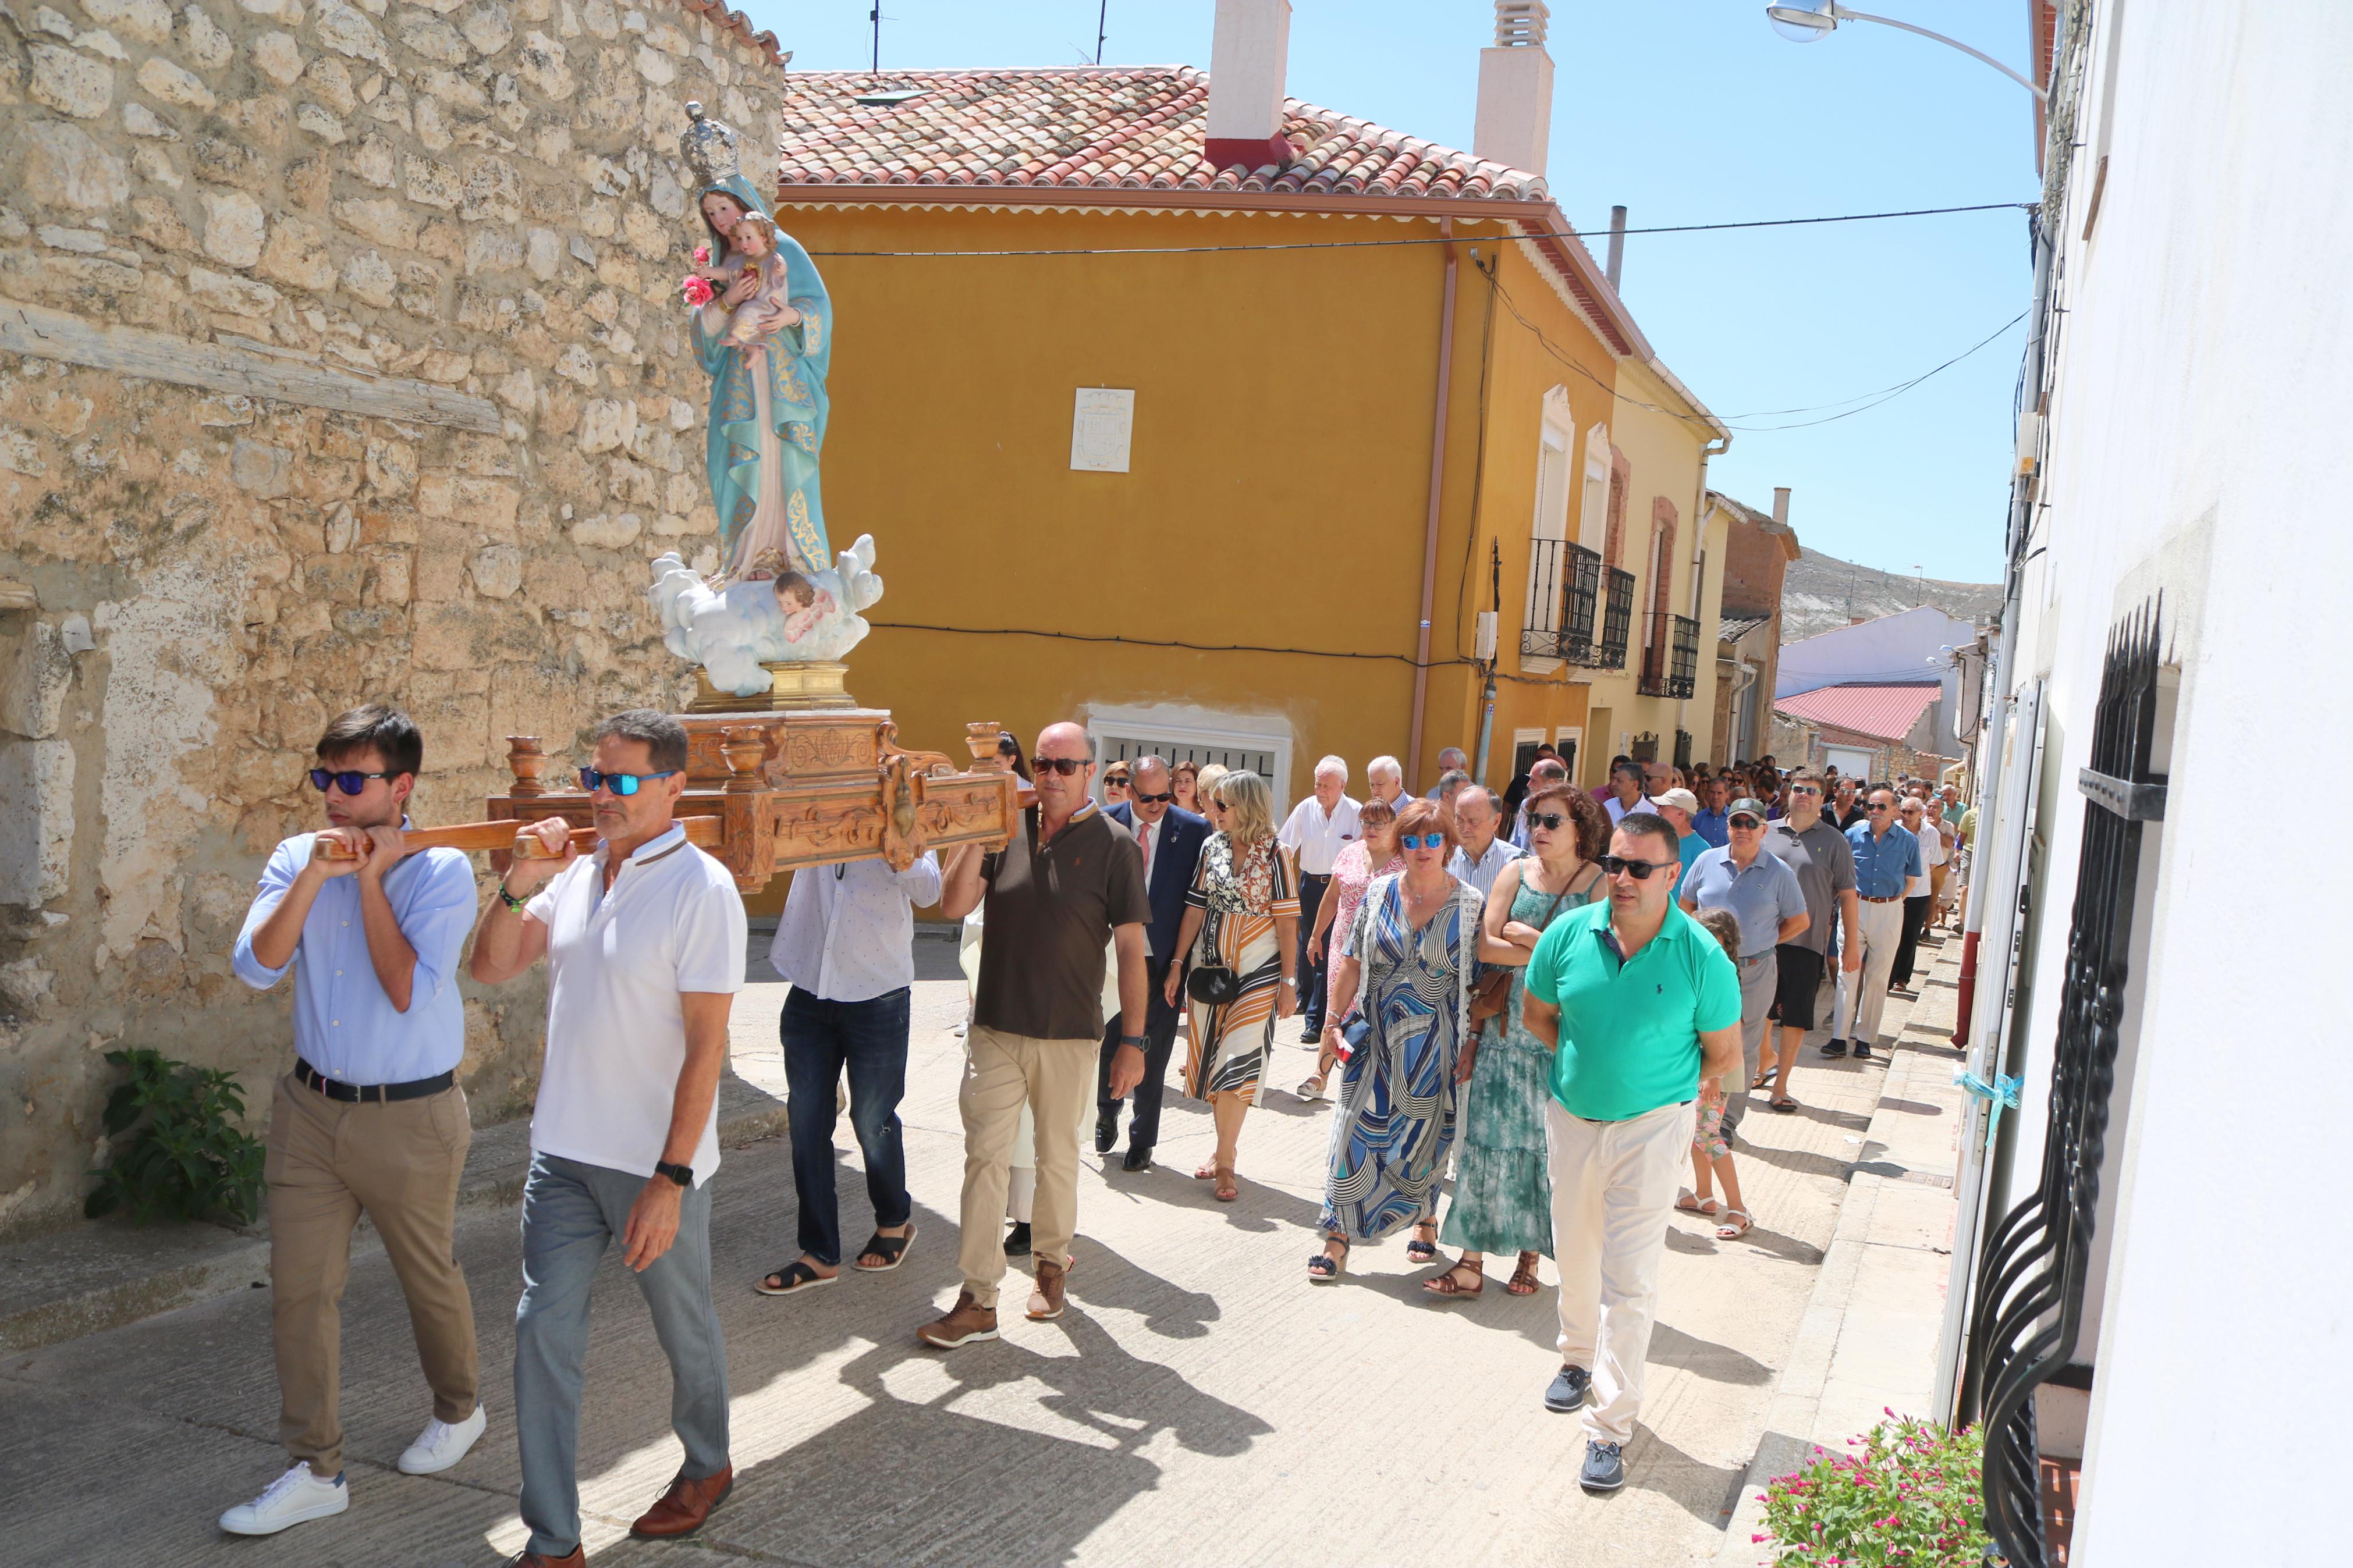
x=1806 y=24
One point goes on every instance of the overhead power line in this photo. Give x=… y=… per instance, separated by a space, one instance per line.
x=918 y=191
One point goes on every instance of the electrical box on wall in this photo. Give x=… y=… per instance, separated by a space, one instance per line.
x=1482 y=646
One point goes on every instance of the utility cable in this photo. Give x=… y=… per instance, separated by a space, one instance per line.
x=1406 y=659
x=889 y=192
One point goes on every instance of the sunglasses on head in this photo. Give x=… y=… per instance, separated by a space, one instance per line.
x=619 y=783
x=1611 y=865
x=1422 y=840
x=1065 y=766
x=1143 y=799
x=1550 y=821
x=346 y=780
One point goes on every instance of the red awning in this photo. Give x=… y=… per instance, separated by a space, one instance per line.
x=1887 y=711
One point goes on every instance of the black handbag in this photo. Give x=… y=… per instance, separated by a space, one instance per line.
x=1214 y=985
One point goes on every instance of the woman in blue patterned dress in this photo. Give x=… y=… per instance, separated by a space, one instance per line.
x=1408 y=954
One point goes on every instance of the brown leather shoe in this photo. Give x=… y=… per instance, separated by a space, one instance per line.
x=577 y=1558
x=684 y=1507
x=1046 y=1300
x=965 y=1322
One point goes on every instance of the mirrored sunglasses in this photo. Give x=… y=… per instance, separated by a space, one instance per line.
x=619 y=783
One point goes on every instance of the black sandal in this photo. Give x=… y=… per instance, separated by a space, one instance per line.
x=891 y=1249
x=1323 y=1268
x=1421 y=1251
x=794 y=1277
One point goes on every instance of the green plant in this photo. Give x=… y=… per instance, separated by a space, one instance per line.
x=1912 y=1500
x=187 y=1158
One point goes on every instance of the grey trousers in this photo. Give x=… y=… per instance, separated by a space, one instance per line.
x=1758 y=977
x=571 y=1212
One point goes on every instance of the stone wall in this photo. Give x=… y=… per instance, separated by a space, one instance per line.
x=414 y=408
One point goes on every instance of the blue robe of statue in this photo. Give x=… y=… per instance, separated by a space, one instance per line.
x=797 y=357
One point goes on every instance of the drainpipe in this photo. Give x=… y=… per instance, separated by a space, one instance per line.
x=1429 y=528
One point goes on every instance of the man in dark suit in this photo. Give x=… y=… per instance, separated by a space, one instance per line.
x=1171 y=842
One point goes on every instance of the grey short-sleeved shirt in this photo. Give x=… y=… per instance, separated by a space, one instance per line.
x=1824 y=863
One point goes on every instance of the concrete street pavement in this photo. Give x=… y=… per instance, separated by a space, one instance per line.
x=1200 y=1403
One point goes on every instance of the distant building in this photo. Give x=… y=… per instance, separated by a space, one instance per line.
x=1758 y=551
x=1879 y=698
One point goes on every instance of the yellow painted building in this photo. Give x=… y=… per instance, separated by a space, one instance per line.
x=1185 y=458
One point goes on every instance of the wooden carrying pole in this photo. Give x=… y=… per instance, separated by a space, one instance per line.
x=495 y=836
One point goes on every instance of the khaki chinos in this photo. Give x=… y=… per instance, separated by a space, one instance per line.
x=327 y=1162
x=1004 y=1072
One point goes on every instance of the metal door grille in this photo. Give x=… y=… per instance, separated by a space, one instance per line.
x=2028 y=1303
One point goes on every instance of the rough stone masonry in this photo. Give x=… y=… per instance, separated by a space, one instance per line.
x=340 y=359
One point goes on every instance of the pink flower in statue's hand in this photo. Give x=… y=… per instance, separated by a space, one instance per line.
x=696 y=289
x=702 y=255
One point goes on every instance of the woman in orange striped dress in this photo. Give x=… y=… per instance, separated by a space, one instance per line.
x=1244 y=908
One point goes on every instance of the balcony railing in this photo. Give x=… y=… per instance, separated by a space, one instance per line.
x=1682 y=667
x=1617 y=619
x=1652 y=682
x=1563 y=580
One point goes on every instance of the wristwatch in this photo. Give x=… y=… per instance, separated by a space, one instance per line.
x=683 y=1174
x=1138 y=1041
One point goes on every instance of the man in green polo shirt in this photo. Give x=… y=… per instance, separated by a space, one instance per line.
x=1639 y=1005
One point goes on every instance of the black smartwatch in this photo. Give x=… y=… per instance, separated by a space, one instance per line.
x=1138 y=1041
x=683 y=1174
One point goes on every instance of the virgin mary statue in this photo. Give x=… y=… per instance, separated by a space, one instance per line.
x=764 y=338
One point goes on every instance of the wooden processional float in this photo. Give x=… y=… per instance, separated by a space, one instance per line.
x=773 y=790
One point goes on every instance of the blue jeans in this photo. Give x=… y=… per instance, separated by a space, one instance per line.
x=870 y=1038
x=571 y=1212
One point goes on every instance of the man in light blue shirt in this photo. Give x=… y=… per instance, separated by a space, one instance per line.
x=370 y=1119
x=1886 y=858
x=1709 y=822
x=1764 y=896
x=1480 y=855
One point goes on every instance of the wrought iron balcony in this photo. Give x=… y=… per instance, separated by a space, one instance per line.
x=1563 y=580
x=1617 y=619
x=1682 y=663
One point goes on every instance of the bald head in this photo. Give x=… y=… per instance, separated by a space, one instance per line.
x=1060 y=795
x=1149 y=777
x=1476 y=818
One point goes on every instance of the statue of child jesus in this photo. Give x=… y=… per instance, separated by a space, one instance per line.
x=768 y=309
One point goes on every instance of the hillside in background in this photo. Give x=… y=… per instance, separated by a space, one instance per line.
x=1820 y=593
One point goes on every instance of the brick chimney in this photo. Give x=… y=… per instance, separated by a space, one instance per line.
x=1248 y=52
x=1515 y=89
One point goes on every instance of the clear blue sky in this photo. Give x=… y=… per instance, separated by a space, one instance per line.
x=1690 y=111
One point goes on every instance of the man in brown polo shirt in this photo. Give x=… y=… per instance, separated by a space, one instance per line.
x=1066 y=881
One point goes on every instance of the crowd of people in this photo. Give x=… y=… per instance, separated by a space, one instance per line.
x=1563 y=997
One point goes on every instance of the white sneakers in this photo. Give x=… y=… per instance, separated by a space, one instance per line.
x=442 y=1444
x=295 y=1496
x=298 y=1495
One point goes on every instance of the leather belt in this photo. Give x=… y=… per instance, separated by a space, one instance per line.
x=309 y=1077
x=1891 y=898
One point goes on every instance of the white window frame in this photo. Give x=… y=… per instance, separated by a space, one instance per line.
x=1593 y=518
x=1556 y=441
x=1181 y=724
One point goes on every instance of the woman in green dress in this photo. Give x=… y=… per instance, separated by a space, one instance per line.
x=1503 y=1196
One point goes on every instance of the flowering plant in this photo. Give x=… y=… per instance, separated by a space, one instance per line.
x=702 y=255
x=1913 y=1500
x=696 y=289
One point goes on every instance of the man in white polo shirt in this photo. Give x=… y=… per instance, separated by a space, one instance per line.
x=1318 y=829
x=643 y=943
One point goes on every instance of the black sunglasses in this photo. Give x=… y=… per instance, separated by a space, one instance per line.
x=1874 y=806
x=1744 y=820
x=346 y=780
x=619 y=783
x=1065 y=766
x=1143 y=799
x=1639 y=869
x=1550 y=821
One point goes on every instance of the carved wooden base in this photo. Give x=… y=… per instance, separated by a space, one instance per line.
x=792 y=688
x=805 y=787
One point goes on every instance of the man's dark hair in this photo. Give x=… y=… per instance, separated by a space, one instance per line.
x=1627 y=766
x=664 y=736
x=392 y=733
x=1801 y=775
x=1651 y=825
x=1452 y=777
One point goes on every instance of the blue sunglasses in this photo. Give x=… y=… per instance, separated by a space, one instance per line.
x=1422 y=840
x=619 y=783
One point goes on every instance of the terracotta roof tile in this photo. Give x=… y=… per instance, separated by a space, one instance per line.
x=735 y=24
x=1097 y=128
x=1885 y=711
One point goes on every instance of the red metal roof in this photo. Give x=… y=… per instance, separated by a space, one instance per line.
x=1888 y=712
x=1107 y=127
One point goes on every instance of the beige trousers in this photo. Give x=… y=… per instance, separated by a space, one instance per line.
x=327 y=1163
x=1613 y=1183
x=1056 y=1080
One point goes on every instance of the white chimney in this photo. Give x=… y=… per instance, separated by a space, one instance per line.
x=1514 y=88
x=1781 y=505
x=1248 y=52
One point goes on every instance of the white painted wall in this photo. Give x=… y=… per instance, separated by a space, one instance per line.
x=2200 y=438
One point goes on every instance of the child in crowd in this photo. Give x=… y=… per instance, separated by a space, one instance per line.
x=1711 y=1151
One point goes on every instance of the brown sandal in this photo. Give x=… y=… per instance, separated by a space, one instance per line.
x=1523 y=1278
x=1445 y=1284
x=1226 y=1190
